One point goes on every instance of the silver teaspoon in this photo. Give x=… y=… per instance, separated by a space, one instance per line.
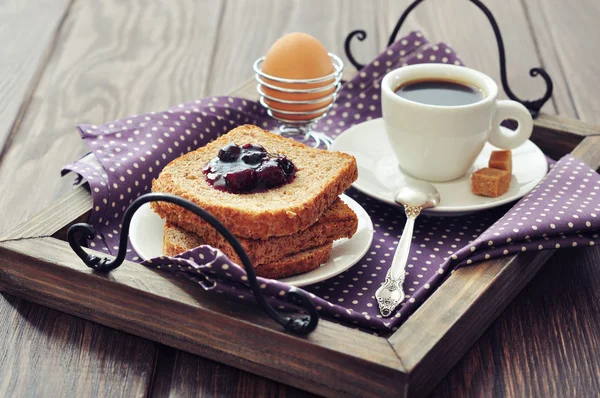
x=415 y=196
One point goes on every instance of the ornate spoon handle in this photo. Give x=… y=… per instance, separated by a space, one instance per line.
x=390 y=294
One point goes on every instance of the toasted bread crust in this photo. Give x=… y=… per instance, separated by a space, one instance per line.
x=295 y=264
x=177 y=241
x=321 y=177
x=337 y=222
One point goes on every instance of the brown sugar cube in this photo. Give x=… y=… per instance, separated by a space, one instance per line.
x=490 y=182
x=501 y=160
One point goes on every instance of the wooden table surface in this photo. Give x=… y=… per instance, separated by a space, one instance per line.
x=68 y=61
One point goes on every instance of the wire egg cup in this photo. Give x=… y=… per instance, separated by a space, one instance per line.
x=287 y=124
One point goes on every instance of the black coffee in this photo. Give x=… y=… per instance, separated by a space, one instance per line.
x=440 y=92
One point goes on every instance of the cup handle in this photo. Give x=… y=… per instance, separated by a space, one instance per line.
x=504 y=138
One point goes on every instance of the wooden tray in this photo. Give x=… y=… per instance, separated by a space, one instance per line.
x=38 y=265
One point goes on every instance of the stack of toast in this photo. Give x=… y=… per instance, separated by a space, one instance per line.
x=286 y=230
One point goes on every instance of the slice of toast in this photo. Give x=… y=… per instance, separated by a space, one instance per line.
x=338 y=221
x=320 y=178
x=177 y=240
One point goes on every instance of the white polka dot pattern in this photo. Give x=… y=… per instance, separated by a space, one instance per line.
x=563 y=211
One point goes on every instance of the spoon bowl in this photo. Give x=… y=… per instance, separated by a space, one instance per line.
x=417 y=193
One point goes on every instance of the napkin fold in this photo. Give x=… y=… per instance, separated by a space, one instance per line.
x=562 y=211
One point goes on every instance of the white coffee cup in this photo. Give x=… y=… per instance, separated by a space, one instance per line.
x=440 y=143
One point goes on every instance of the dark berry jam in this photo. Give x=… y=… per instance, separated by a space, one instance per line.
x=249 y=168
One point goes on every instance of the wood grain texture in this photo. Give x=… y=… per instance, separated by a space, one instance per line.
x=553 y=140
x=111 y=59
x=41 y=355
x=589 y=151
x=27 y=30
x=431 y=341
x=172 y=311
x=566 y=125
x=561 y=97
x=75 y=205
x=545 y=344
x=175 y=369
x=567 y=34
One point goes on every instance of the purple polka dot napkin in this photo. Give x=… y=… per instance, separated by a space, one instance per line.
x=562 y=211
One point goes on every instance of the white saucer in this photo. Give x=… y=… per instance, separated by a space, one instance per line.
x=146 y=236
x=379 y=175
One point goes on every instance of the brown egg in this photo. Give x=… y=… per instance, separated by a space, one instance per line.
x=298 y=56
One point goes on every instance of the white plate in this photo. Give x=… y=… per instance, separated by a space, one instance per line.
x=380 y=177
x=146 y=236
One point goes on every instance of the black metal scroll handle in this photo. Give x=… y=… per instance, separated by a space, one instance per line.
x=533 y=106
x=295 y=323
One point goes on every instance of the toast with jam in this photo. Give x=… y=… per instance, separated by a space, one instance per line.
x=276 y=204
x=277 y=196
